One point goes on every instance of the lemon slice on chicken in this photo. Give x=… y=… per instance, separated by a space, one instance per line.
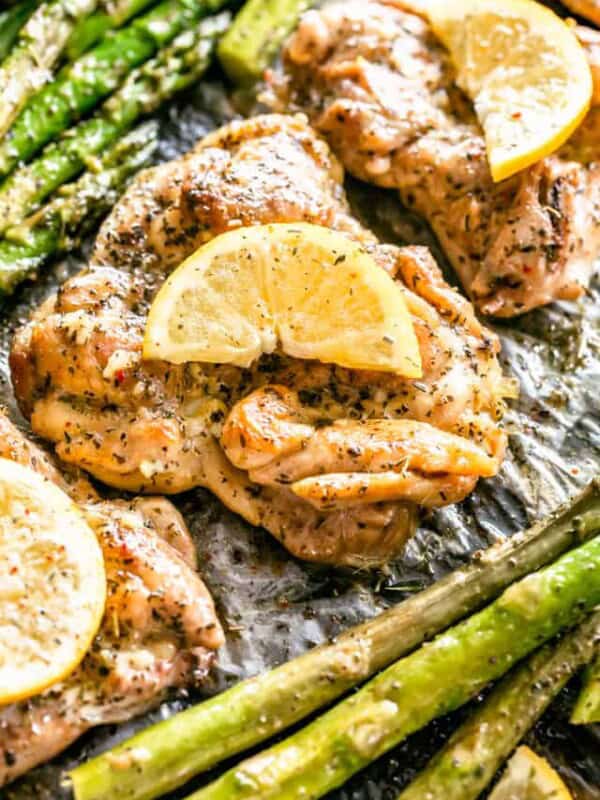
x=52 y=583
x=525 y=71
x=312 y=290
x=530 y=777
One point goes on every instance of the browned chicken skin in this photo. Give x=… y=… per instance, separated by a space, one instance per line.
x=151 y=426
x=159 y=628
x=375 y=81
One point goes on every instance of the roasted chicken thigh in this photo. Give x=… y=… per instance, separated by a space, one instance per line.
x=333 y=462
x=378 y=85
x=159 y=630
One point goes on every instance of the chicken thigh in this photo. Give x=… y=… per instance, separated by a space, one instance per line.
x=159 y=628
x=333 y=462
x=378 y=85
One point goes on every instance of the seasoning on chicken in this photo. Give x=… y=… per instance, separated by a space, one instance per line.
x=159 y=629
x=378 y=85
x=380 y=445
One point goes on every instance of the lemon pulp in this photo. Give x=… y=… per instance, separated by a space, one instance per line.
x=312 y=290
x=530 y=777
x=52 y=583
x=525 y=71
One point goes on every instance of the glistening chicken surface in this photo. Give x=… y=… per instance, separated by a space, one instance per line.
x=152 y=426
x=159 y=630
x=379 y=86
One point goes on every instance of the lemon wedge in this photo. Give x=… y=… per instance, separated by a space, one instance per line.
x=312 y=290
x=530 y=777
x=524 y=70
x=52 y=583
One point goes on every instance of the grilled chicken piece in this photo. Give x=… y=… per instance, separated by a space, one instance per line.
x=159 y=628
x=375 y=81
x=348 y=462
x=151 y=426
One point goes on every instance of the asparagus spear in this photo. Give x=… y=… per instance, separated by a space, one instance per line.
x=11 y=22
x=188 y=743
x=470 y=759
x=80 y=86
x=434 y=680
x=587 y=707
x=39 y=46
x=256 y=36
x=172 y=70
x=91 y=29
x=59 y=226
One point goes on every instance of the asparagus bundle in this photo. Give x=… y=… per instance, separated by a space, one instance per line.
x=80 y=86
x=434 y=680
x=11 y=22
x=188 y=743
x=59 y=225
x=472 y=756
x=39 y=46
x=173 y=69
x=256 y=36
x=587 y=707
x=91 y=29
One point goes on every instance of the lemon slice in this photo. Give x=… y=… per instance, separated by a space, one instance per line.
x=52 y=583
x=312 y=290
x=530 y=777
x=525 y=71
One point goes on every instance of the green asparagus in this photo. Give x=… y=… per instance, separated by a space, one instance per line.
x=58 y=226
x=587 y=707
x=173 y=69
x=80 y=86
x=188 y=743
x=434 y=680
x=39 y=46
x=472 y=756
x=256 y=36
x=90 y=30
x=11 y=22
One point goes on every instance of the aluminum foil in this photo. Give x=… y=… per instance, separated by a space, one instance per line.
x=274 y=607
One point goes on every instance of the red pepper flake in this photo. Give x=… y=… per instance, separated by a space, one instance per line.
x=119 y=376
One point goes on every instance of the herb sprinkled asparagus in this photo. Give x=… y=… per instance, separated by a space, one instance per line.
x=587 y=707
x=90 y=30
x=58 y=226
x=256 y=35
x=39 y=46
x=81 y=85
x=11 y=21
x=472 y=756
x=173 y=69
x=434 y=680
x=190 y=742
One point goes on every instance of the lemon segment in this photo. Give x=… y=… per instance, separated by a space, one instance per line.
x=213 y=307
x=52 y=583
x=524 y=70
x=530 y=777
x=310 y=289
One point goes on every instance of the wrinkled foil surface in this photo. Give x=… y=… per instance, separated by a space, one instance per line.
x=274 y=607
